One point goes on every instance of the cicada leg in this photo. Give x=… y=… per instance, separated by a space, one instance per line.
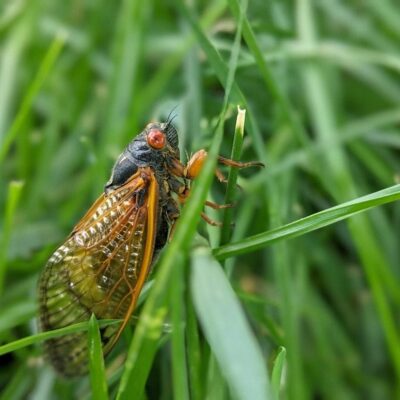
x=239 y=164
x=217 y=206
x=192 y=169
x=210 y=221
x=172 y=211
x=183 y=191
x=195 y=164
x=220 y=176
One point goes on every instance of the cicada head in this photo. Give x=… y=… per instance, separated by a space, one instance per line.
x=162 y=137
x=151 y=148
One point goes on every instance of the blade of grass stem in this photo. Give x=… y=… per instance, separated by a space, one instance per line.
x=179 y=364
x=349 y=132
x=277 y=372
x=45 y=67
x=40 y=337
x=126 y=60
x=266 y=73
x=227 y=330
x=14 y=194
x=16 y=314
x=309 y=223
x=222 y=71
x=164 y=74
x=18 y=386
x=194 y=356
x=226 y=230
x=98 y=379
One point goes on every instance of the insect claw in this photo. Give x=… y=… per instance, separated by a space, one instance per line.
x=220 y=176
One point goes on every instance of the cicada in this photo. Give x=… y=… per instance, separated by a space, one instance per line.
x=103 y=264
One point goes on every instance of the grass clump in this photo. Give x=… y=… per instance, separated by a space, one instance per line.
x=314 y=316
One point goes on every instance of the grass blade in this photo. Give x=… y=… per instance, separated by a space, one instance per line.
x=277 y=371
x=310 y=223
x=222 y=72
x=194 y=355
x=98 y=379
x=14 y=193
x=48 y=62
x=40 y=337
x=227 y=329
x=226 y=230
x=267 y=75
x=179 y=364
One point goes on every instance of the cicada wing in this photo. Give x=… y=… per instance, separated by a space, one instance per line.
x=142 y=249
x=100 y=269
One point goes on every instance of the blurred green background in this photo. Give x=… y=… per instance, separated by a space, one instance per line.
x=320 y=82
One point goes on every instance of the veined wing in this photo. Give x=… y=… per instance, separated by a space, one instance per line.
x=100 y=269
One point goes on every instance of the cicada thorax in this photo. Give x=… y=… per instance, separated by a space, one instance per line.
x=100 y=269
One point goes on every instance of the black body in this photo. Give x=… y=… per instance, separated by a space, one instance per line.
x=139 y=154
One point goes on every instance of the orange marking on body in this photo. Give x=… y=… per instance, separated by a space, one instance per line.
x=195 y=164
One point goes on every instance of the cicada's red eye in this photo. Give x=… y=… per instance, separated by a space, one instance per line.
x=156 y=139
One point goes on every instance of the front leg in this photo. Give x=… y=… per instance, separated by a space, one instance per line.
x=192 y=169
x=196 y=162
x=172 y=212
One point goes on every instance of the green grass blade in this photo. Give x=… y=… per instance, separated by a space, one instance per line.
x=194 y=354
x=309 y=223
x=270 y=81
x=179 y=364
x=226 y=230
x=13 y=47
x=227 y=329
x=16 y=314
x=128 y=44
x=47 y=64
x=98 y=379
x=18 y=386
x=277 y=372
x=40 y=337
x=222 y=71
x=14 y=194
x=153 y=89
x=233 y=60
x=363 y=127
